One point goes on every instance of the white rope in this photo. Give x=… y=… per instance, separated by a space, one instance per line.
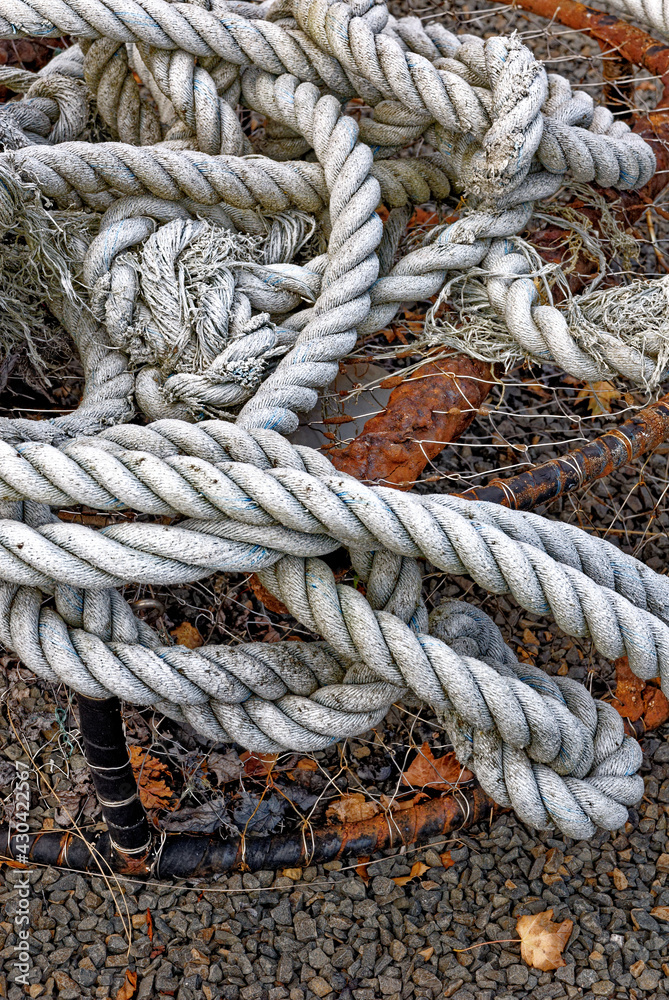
x=223 y=282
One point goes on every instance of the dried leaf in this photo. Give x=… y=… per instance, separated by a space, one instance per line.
x=129 y=987
x=637 y=699
x=428 y=771
x=417 y=869
x=204 y=818
x=361 y=867
x=352 y=808
x=542 y=941
x=660 y=913
x=446 y=859
x=258 y=765
x=306 y=764
x=423 y=217
x=599 y=396
x=295 y=874
x=225 y=766
x=154 y=780
x=265 y=597
x=187 y=635
x=149 y=924
x=67 y=810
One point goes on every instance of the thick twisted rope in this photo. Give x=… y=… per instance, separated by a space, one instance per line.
x=357 y=42
x=498 y=166
x=273 y=698
x=246 y=517
x=576 y=803
x=252 y=501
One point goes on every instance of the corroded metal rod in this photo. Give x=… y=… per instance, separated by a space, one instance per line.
x=641 y=433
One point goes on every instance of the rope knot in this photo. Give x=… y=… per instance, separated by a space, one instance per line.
x=183 y=298
x=519 y=88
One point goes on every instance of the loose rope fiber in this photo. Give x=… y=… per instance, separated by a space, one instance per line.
x=214 y=283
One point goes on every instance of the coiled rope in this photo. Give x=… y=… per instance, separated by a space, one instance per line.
x=203 y=296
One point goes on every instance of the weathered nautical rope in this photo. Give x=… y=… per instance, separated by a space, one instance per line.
x=537 y=745
x=214 y=281
x=491 y=141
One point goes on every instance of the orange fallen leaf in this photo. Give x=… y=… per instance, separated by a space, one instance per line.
x=637 y=699
x=361 y=867
x=149 y=924
x=154 y=780
x=352 y=808
x=428 y=771
x=129 y=987
x=599 y=396
x=258 y=764
x=423 y=217
x=542 y=941
x=307 y=764
x=187 y=635
x=417 y=869
x=446 y=859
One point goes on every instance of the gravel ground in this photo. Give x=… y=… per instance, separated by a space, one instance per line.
x=336 y=930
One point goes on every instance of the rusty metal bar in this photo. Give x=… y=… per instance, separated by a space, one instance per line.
x=641 y=433
x=182 y=855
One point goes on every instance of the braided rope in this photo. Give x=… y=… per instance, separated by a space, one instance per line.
x=180 y=185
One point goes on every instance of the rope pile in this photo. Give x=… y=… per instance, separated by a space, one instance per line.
x=213 y=287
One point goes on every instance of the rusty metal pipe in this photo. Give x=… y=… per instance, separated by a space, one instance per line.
x=616 y=448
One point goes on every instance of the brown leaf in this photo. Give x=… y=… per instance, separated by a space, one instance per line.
x=446 y=859
x=305 y=764
x=129 y=987
x=257 y=765
x=187 y=635
x=361 y=867
x=225 y=766
x=417 y=869
x=149 y=924
x=154 y=780
x=271 y=602
x=428 y=771
x=542 y=941
x=68 y=806
x=660 y=912
x=352 y=808
x=637 y=699
x=599 y=396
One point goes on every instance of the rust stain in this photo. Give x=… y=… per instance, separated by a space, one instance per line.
x=431 y=407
